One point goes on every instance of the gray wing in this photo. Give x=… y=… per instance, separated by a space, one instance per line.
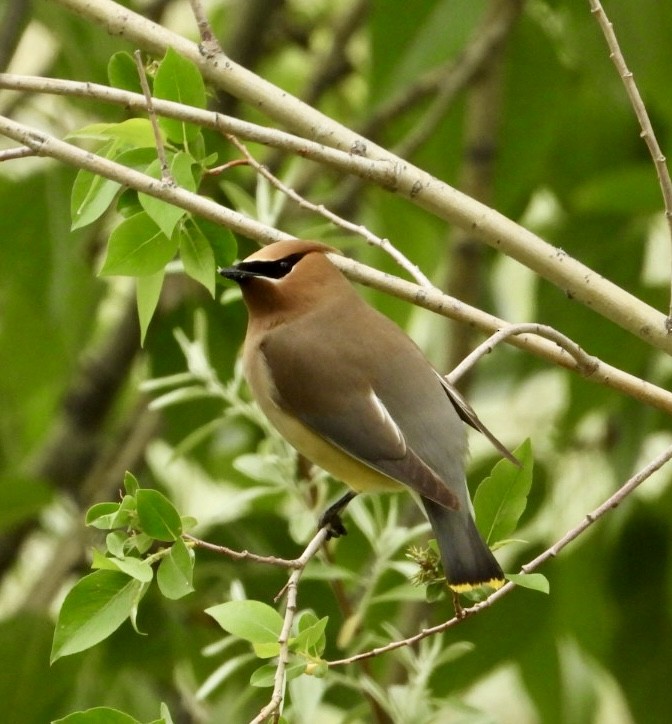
x=467 y=413
x=409 y=431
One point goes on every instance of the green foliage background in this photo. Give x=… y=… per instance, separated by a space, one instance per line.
x=568 y=162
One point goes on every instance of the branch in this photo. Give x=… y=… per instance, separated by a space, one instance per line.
x=578 y=281
x=244 y=555
x=639 y=108
x=44 y=145
x=429 y=298
x=412 y=269
x=275 y=703
x=436 y=301
x=611 y=502
x=160 y=148
x=586 y=364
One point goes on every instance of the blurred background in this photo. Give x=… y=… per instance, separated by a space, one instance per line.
x=516 y=103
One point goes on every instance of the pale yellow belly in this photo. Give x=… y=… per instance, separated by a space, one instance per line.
x=352 y=472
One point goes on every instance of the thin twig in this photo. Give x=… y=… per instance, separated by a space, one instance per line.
x=648 y=134
x=335 y=219
x=586 y=364
x=10 y=154
x=209 y=43
x=612 y=502
x=217 y=170
x=166 y=176
x=576 y=280
x=245 y=555
x=45 y=145
x=275 y=702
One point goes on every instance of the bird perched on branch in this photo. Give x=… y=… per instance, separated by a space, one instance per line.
x=353 y=393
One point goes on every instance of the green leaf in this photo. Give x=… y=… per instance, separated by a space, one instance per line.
x=166 y=216
x=147 y=295
x=253 y=621
x=98 y=715
x=122 y=72
x=157 y=516
x=93 y=609
x=182 y=170
x=140 y=542
x=102 y=562
x=115 y=541
x=131 y=484
x=198 y=257
x=135 y=132
x=311 y=636
x=266 y=651
x=133 y=616
x=501 y=498
x=534 y=581
x=176 y=571
x=131 y=566
x=137 y=247
x=221 y=240
x=106 y=516
x=264 y=676
x=101 y=515
x=178 y=79
x=91 y=197
x=137 y=158
x=166 y=718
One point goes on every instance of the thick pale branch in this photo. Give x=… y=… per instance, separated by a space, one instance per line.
x=440 y=303
x=433 y=299
x=575 y=279
x=45 y=145
x=320 y=209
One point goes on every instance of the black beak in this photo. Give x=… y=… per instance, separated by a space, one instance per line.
x=231 y=272
x=237 y=272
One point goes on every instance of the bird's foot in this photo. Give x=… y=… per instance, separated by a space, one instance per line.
x=331 y=518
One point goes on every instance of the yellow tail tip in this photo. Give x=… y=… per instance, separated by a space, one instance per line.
x=493 y=583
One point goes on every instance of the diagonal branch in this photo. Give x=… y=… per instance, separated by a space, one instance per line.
x=429 y=298
x=577 y=281
x=359 y=229
x=611 y=502
x=648 y=134
x=273 y=706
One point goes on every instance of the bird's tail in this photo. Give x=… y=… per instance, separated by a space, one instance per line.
x=467 y=560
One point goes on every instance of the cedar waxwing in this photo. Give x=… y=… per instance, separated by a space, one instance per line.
x=353 y=394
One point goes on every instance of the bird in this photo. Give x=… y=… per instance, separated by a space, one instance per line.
x=352 y=393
